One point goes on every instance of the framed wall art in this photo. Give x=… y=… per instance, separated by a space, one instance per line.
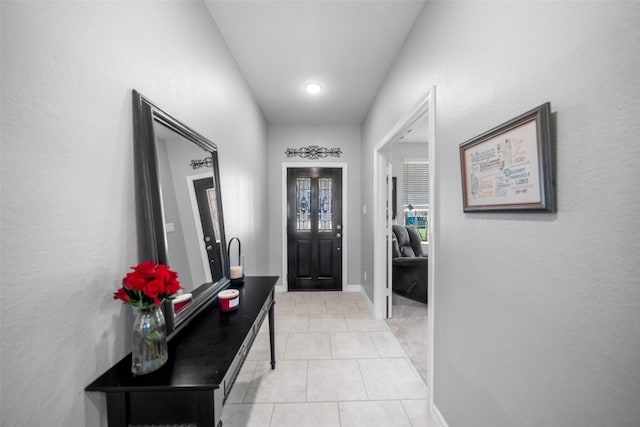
x=510 y=167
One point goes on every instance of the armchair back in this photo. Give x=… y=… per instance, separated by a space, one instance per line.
x=406 y=242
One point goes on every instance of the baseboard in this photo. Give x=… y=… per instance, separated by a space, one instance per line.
x=349 y=288
x=353 y=288
x=366 y=298
x=436 y=417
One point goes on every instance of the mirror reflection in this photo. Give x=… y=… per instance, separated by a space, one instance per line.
x=190 y=214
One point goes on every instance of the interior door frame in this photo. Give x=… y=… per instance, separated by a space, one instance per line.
x=388 y=173
x=424 y=104
x=345 y=227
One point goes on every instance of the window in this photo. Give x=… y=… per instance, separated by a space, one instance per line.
x=303 y=199
x=415 y=198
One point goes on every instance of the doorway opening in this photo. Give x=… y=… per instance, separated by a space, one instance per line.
x=383 y=217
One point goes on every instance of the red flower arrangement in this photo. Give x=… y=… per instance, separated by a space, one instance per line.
x=149 y=283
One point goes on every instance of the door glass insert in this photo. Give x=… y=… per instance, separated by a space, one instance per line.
x=303 y=204
x=213 y=207
x=325 y=223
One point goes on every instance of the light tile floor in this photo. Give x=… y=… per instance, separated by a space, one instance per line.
x=409 y=326
x=335 y=366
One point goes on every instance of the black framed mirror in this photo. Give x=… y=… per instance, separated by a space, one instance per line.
x=180 y=217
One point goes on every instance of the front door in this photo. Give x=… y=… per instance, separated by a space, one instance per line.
x=314 y=229
x=208 y=209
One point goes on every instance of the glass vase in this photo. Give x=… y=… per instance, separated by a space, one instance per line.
x=149 y=340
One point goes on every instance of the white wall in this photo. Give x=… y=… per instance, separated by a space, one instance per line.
x=536 y=315
x=345 y=137
x=68 y=207
x=178 y=257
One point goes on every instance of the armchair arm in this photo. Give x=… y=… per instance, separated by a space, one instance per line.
x=410 y=262
x=409 y=275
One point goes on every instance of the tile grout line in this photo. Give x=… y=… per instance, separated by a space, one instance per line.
x=306 y=384
x=366 y=392
x=273 y=410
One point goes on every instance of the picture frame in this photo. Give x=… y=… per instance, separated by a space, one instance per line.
x=510 y=167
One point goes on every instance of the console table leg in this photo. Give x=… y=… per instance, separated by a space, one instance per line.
x=272 y=333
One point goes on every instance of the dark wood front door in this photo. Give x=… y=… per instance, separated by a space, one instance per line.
x=207 y=207
x=314 y=229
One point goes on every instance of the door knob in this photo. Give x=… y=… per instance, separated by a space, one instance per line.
x=209 y=247
x=338 y=235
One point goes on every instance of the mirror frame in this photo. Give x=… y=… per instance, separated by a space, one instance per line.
x=151 y=228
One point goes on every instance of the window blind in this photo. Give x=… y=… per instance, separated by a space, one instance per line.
x=415 y=183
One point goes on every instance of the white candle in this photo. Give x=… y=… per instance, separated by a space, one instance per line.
x=236 y=271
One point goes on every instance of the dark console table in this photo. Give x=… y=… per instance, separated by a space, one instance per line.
x=204 y=360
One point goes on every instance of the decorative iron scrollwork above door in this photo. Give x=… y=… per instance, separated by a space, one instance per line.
x=313 y=152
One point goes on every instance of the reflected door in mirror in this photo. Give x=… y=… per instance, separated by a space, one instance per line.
x=207 y=209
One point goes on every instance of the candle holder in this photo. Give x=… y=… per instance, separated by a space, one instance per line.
x=236 y=272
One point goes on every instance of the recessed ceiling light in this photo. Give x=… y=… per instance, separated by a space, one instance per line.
x=313 y=88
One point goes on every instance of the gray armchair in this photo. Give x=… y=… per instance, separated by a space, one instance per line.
x=409 y=265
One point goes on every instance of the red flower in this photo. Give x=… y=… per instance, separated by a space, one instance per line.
x=146 y=269
x=121 y=295
x=173 y=286
x=162 y=272
x=148 y=283
x=154 y=288
x=134 y=281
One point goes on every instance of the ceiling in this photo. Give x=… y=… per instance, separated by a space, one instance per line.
x=347 y=46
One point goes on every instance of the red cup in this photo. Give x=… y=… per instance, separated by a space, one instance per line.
x=229 y=299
